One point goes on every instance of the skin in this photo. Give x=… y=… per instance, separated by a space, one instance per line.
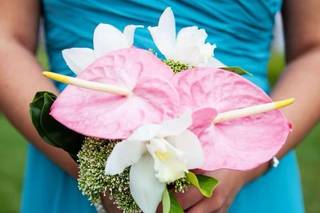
x=19 y=21
x=20 y=74
x=300 y=80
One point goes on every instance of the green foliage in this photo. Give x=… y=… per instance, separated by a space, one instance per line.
x=176 y=66
x=237 y=70
x=12 y=158
x=275 y=68
x=174 y=205
x=169 y=203
x=49 y=129
x=180 y=185
x=203 y=183
x=42 y=57
x=92 y=180
x=166 y=201
x=13 y=150
x=309 y=160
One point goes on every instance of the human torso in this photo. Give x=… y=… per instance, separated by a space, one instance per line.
x=241 y=29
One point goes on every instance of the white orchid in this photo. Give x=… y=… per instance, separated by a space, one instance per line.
x=158 y=154
x=187 y=47
x=106 y=38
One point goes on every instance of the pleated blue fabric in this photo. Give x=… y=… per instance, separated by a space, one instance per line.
x=242 y=31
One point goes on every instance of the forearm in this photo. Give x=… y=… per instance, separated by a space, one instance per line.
x=20 y=79
x=301 y=80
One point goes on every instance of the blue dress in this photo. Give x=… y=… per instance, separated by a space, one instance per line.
x=242 y=30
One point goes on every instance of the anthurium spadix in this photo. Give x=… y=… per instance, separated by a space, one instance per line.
x=106 y=38
x=158 y=154
x=242 y=143
x=188 y=47
x=152 y=98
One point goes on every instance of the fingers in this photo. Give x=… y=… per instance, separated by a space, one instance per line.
x=189 y=198
x=214 y=204
x=224 y=209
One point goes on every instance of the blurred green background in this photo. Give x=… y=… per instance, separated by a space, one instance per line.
x=13 y=153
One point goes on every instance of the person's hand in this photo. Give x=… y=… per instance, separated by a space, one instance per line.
x=230 y=182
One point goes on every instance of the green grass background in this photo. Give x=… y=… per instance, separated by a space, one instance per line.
x=13 y=153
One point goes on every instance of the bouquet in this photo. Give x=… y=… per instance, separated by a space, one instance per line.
x=139 y=125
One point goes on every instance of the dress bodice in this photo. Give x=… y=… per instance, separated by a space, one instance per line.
x=241 y=29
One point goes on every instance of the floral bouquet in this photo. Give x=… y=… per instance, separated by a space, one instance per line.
x=139 y=126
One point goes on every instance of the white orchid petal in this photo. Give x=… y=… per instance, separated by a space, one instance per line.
x=191 y=47
x=78 y=59
x=107 y=38
x=164 y=35
x=145 y=132
x=124 y=154
x=168 y=22
x=206 y=51
x=191 y=35
x=169 y=162
x=189 y=143
x=128 y=32
x=145 y=188
x=214 y=63
x=175 y=126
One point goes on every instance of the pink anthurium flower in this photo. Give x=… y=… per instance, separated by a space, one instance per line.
x=110 y=116
x=237 y=144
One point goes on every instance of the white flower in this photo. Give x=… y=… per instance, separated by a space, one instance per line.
x=188 y=47
x=106 y=38
x=158 y=154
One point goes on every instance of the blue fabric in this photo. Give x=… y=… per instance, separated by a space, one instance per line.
x=242 y=30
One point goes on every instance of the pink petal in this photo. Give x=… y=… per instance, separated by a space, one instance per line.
x=202 y=119
x=239 y=144
x=103 y=115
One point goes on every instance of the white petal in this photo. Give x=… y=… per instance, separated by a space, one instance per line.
x=214 y=63
x=191 y=35
x=191 y=48
x=145 y=188
x=78 y=58
x=145 y=132
x=206 y=51
x=175 y=126
x=164 y=35
x=124 y=154
x=190 y=145
x=107 y=38
x=128 y=32
x=169 y=162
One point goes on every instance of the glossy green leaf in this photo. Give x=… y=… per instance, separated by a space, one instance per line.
x=237 y=70
x=205 y=184
x=170 y=203
x=166 y=201
x=49 y=129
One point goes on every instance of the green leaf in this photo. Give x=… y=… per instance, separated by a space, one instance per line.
x=170 y=203
x=205 y=184
x=237 y=70
x=49 y=129
x=166 y=201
